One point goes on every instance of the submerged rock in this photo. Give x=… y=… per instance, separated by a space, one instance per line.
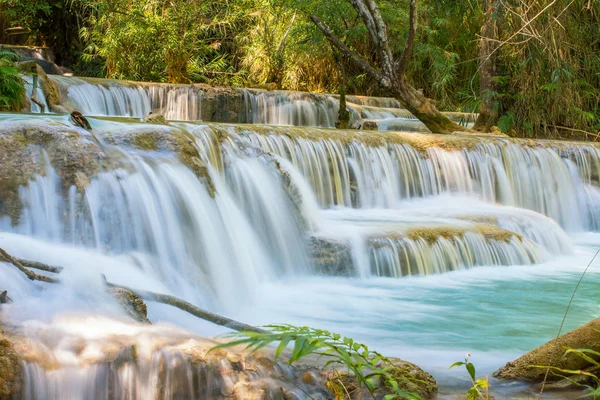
x=331 y=256
x=10 y=369
x=530 y=367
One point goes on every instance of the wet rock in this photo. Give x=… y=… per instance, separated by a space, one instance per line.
x=331 y=256
x=410 y=379
x=4 y=298
x=27 y=146
x=132 y=304
x=155 y=119
x=553 y=354
x=10 y=369
x=370 y=126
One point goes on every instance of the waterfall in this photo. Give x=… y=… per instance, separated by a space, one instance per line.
x=214 y=213
x=101 y=97
x=367 y=172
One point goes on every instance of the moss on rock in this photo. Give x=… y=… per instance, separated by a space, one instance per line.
x=552 y=353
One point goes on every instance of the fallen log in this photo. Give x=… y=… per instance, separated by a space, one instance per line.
x=191 y=309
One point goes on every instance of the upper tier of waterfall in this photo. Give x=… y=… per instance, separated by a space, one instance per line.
x=103 y=97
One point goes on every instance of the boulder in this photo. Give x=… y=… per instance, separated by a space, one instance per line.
x=370 y=126
x=155 y=119
x=553 y=354
x=331 y=256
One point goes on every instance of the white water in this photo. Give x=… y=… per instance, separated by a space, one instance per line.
x=152 y=224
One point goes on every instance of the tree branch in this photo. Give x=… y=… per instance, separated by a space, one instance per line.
x=352 y=56
x=412 y=22
x=191 y=309
x=144 y=294
x=31 y=275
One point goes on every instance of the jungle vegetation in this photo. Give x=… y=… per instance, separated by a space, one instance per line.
x=532 y=67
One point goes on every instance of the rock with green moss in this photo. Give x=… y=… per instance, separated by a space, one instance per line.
x=530 y=367
x=410 y=378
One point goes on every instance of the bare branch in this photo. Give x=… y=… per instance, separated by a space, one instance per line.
x=31 y=275
x=412 y=23
x=355 y=58
x=191 y=309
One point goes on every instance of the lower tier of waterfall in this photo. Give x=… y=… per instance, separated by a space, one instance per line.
x=424 y=246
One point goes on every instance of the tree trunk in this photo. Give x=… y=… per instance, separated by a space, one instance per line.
x=423 y=108
x=343 y=118
x=488 y=70
x=390 y=74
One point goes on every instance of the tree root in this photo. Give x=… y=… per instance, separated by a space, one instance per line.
x=144 y=294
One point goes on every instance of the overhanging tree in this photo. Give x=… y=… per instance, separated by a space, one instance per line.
x=390 y=72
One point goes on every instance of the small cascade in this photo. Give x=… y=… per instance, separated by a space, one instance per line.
x=105 y=98
x=39 y=94
x=396 y=257
x=370 y=170
x=103 y=358
x=290 y=108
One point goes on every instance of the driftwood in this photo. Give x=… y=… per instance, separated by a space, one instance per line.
x=190 y=308
x=39 y=266
x=31 y=275
x=144 y=294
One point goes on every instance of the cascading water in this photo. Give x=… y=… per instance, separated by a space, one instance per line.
x=250 y=220
x=101 y=97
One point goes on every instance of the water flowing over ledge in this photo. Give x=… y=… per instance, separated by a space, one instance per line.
x=102 y=97
x=214 y=212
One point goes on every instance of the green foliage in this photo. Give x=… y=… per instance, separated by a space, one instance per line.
x=480 y=388
x=11 y=84
x=591 y=356
x=547 y=76
x=370 y=368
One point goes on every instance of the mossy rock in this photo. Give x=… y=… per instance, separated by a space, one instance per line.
x=10 y=369
x=552 y=353
x=410 y=378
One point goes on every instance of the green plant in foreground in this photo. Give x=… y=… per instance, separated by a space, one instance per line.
x=11 y=84
x=371 y=369
x=480 y=389
x=588 y=355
